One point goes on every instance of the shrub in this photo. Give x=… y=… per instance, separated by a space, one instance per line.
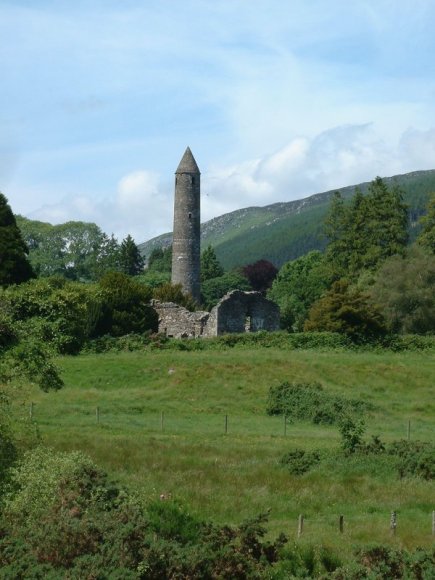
x=170 y=520
x=309 y=402
x=414 y=458
x=299 y=461
x=346 y=310
x=351 y=431
x=125 y=307
x=174 y=293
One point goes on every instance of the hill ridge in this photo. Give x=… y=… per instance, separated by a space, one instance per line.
x=247 y=234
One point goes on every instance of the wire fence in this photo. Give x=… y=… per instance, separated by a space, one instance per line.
x=170 y=421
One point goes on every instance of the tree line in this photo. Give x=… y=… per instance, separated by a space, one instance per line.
x=369 y=281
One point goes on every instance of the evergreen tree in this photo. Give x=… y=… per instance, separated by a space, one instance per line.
x=14 y=264
x=348 y=311
x=210 y=265
x=160 y=260
x=130 y=259
x=335 y=227
x=426 y=239
x=365 y=233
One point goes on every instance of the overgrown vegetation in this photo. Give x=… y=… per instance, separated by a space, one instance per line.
x=310 y=402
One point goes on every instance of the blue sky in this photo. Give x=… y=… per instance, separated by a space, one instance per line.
x=277 y=100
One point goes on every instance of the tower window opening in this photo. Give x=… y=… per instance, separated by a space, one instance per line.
x=190 y=215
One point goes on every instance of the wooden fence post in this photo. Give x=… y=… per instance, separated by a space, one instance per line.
x=393 y=523
x=300 y=525
x=341 y=524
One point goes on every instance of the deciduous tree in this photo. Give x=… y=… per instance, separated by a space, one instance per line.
x=260 y=274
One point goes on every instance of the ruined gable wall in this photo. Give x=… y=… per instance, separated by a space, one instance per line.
x=237 y=312
x=246 y=312
x=177 y=321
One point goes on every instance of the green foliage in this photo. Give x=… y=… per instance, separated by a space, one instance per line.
x=310 y=402
x=62 y=512
x=130 y=259
x=380 y=561
x=298 y=285
x=415 y=458
x=214 y=289
x=174 y=293
x=31 y=359
x=170 y=520
x=404 y=292
x=8 y=449
x=125 y=306
x=351 y=431
x=300 y=461
x=64 y=507
x=8 y=334
x=153 y=279
x=426 y=238
x=75 y=250
x=210 y=265
x=54 y=311
x=365 y=233
x=349 y=311
x=306 y=561
x=160 y=260
x=15 y=267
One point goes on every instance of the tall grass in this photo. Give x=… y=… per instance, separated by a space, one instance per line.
x=229 y=477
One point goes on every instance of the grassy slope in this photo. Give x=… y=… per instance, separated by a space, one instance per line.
x=231 y=477
x=285 y=231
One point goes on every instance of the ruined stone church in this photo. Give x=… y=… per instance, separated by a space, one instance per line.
x=237 y=311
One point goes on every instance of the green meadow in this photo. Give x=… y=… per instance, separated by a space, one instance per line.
x=194 y=425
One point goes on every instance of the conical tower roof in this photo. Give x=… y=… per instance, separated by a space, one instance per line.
x=188 y=163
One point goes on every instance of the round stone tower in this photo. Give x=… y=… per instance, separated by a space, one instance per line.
x=186 y=242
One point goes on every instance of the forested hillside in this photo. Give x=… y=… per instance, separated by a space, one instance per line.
x=284 y=231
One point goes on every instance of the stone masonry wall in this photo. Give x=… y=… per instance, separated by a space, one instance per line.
x=237 y=312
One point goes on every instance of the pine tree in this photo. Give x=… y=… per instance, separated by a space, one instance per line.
x=130 y=259
x=210 y=265
x=426 y=239
x=365 y=233
x=335 y=229
x=14 y=264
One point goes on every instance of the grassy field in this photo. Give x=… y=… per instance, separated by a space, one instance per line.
x=233 y=476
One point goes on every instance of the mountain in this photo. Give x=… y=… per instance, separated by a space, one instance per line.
x=284 y=231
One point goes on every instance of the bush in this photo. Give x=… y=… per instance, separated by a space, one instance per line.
x=309 y=402
x=171 y=521
x=299 y=461
x=174 y=293
x=348 y=311
x=125 y=307
x=414 y=458
x=351 y=431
